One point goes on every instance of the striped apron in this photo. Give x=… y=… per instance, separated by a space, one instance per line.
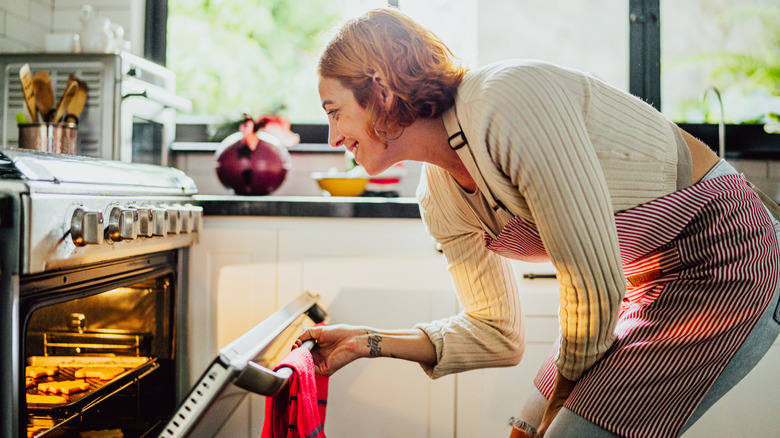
x=701 y=266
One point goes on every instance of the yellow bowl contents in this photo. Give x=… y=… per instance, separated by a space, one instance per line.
x=343 y=186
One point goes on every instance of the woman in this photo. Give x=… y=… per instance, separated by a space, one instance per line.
x=668 y=261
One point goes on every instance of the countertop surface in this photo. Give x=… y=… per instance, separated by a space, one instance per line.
x=309 y=206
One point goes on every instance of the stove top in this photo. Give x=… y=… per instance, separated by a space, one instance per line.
x=76 y=174
x=76 y=210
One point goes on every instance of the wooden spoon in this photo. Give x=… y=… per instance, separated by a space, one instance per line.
x=28 y=90
x=44 y=95
x=79 y=100
x=67 y=96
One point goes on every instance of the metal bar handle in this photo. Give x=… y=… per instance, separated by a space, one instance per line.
x=260 y=380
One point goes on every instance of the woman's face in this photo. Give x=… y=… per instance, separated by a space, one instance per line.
x=348 y=126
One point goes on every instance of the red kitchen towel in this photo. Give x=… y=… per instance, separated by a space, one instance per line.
x=298 y=410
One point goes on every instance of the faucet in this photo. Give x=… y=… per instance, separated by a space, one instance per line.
x=721 y=125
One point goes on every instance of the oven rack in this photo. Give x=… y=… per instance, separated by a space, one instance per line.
x=98 y=389
x=95 y=342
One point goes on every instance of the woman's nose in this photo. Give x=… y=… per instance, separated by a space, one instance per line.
x=335 y=139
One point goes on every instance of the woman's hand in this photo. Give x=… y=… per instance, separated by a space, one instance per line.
x=338 y=345
x=334 y=346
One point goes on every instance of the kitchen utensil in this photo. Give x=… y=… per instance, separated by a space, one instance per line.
x=67 y=96
x=44 y=95
x=28 y=90
x=79 y=100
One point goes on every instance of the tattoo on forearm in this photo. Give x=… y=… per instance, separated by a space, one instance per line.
x=374 y=349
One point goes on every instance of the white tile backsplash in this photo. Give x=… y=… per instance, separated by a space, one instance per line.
x=66 y=20
x=18 y=8
x=28 y=33
x=757 y=169
x=41 y=14
x=24 y=24
x=765 y=174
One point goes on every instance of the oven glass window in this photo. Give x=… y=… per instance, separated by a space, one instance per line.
x=147 y=141
x=106 y=356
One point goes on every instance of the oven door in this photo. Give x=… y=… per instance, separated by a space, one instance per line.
x=102 y=347
x=242 y=367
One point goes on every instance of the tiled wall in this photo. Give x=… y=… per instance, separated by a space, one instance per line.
x=765 y=174
x=24 y=24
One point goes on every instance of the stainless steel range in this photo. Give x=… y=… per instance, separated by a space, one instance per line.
x=92 y=294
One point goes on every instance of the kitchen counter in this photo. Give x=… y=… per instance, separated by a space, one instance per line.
x=309 y=206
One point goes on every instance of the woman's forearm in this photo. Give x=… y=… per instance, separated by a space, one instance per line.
x=409 y=344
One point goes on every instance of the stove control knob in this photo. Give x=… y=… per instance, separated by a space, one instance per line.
x=174 y=219
x=122 y=224
x=86 y=227
x=186 y=219
x=196 y=216
x=159 y=221
x=145 y=220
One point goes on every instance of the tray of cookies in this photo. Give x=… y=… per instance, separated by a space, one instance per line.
x=57 y=383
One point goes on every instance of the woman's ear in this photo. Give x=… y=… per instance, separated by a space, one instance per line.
x=380 y=88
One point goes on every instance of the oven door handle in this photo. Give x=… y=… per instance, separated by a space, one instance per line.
x=159 y=95
x=260 y=380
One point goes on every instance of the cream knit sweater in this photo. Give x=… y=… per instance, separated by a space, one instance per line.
x=565 y=151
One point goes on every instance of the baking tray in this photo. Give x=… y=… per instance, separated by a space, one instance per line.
x=135 y=367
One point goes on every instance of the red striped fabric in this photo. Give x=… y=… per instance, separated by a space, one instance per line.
x=704 y=263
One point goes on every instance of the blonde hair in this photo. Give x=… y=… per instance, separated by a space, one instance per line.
x=416 y=65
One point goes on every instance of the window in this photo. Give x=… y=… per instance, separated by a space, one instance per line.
x=256 y=56
x=733 y=45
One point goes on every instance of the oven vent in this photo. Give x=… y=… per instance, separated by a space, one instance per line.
x=199 y=399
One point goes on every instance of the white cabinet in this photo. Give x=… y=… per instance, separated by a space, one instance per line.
x=380 y=272
x=487 y=398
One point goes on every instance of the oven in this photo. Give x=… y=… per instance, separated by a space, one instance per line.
x=130 y=113
x=93 y=294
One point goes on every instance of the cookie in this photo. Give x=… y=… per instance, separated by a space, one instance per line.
x=64 y=387
x=46 y=399
x=102 y=373
x=36 y=372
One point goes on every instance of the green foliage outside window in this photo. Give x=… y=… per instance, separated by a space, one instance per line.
x=258 y=56
x=755 y=72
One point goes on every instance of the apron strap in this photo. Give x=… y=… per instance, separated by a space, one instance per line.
x=460 y=145
x=768 y=202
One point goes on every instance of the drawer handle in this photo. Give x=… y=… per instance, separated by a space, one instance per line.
x=532 y=276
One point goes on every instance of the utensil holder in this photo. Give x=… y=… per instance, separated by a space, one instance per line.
x=56 y=138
